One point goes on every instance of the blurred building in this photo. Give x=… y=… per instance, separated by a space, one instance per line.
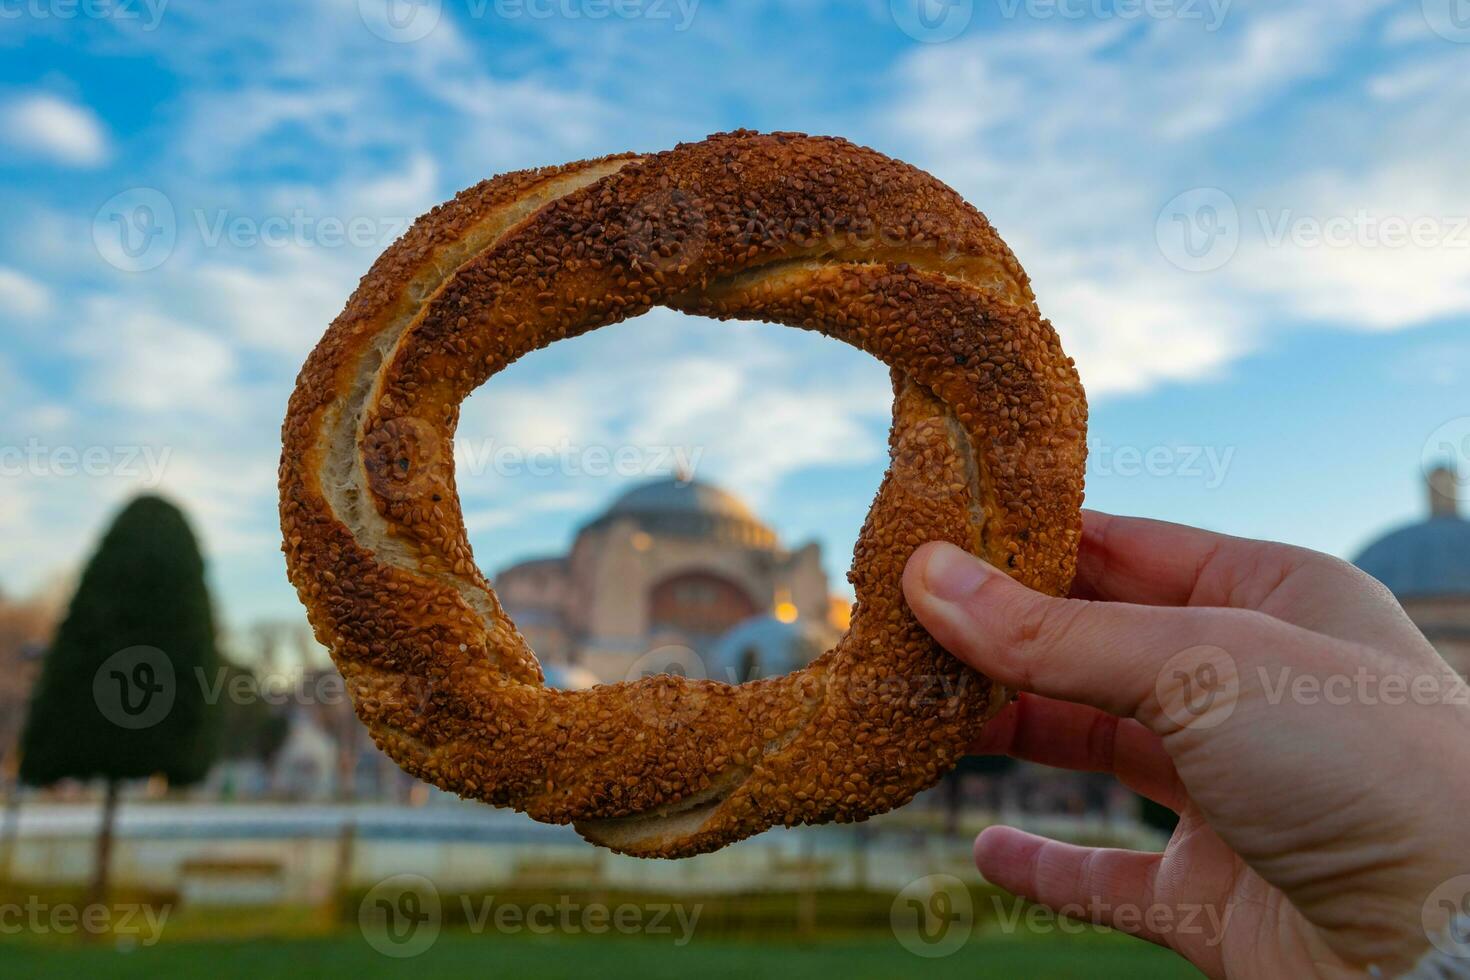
x=25 y=629
x=1427 y=566
x=671 y=563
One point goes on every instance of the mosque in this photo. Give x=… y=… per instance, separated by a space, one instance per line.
x=682 y=576
x=683 y=572
x=680 y=571
x=1427 y=567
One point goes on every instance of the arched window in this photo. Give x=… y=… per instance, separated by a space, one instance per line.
x=697 y=604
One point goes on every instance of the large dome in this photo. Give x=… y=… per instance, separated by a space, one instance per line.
x=1431 y=558
x=688 y=508
x=673 y=495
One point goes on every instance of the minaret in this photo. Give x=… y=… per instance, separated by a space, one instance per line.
x=1444 y=489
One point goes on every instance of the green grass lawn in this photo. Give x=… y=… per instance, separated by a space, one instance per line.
x=459 y=954
x=847 y=935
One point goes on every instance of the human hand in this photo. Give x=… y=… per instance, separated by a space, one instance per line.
x=1316 y=747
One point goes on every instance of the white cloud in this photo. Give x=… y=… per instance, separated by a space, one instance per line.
x=139 y=360
x=1410 y=26
x=22 y=296
x=748 y=406
x=284 y=308
x=55 y=129
x=1384 y=250
x=1145 y=328
x=1073 y=141
x=225 y=125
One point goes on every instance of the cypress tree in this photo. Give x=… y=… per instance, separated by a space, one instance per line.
x=119 y=696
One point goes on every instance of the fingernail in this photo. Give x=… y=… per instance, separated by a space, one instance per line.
x=951 y=574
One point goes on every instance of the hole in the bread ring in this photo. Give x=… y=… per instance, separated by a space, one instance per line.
x=672 y=495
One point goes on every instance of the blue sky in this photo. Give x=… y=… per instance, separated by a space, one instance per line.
x=1248 y=221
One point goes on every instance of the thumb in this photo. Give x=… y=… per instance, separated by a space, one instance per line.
x=1170 y=668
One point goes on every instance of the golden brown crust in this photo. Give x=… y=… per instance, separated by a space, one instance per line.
x=988 y=445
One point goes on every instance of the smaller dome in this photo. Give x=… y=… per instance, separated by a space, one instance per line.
x=1430 y=559
x=1427 y=559
x=763 y=646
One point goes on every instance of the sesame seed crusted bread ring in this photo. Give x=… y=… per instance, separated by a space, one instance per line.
x=987 y=444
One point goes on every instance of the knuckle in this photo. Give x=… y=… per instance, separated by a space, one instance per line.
x=1036 y=627
x=1245 y=624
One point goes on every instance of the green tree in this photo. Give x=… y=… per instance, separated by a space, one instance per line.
x=119 y=694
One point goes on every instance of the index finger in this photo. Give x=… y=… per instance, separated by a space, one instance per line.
x=1155 y=563
x=1147 y=562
